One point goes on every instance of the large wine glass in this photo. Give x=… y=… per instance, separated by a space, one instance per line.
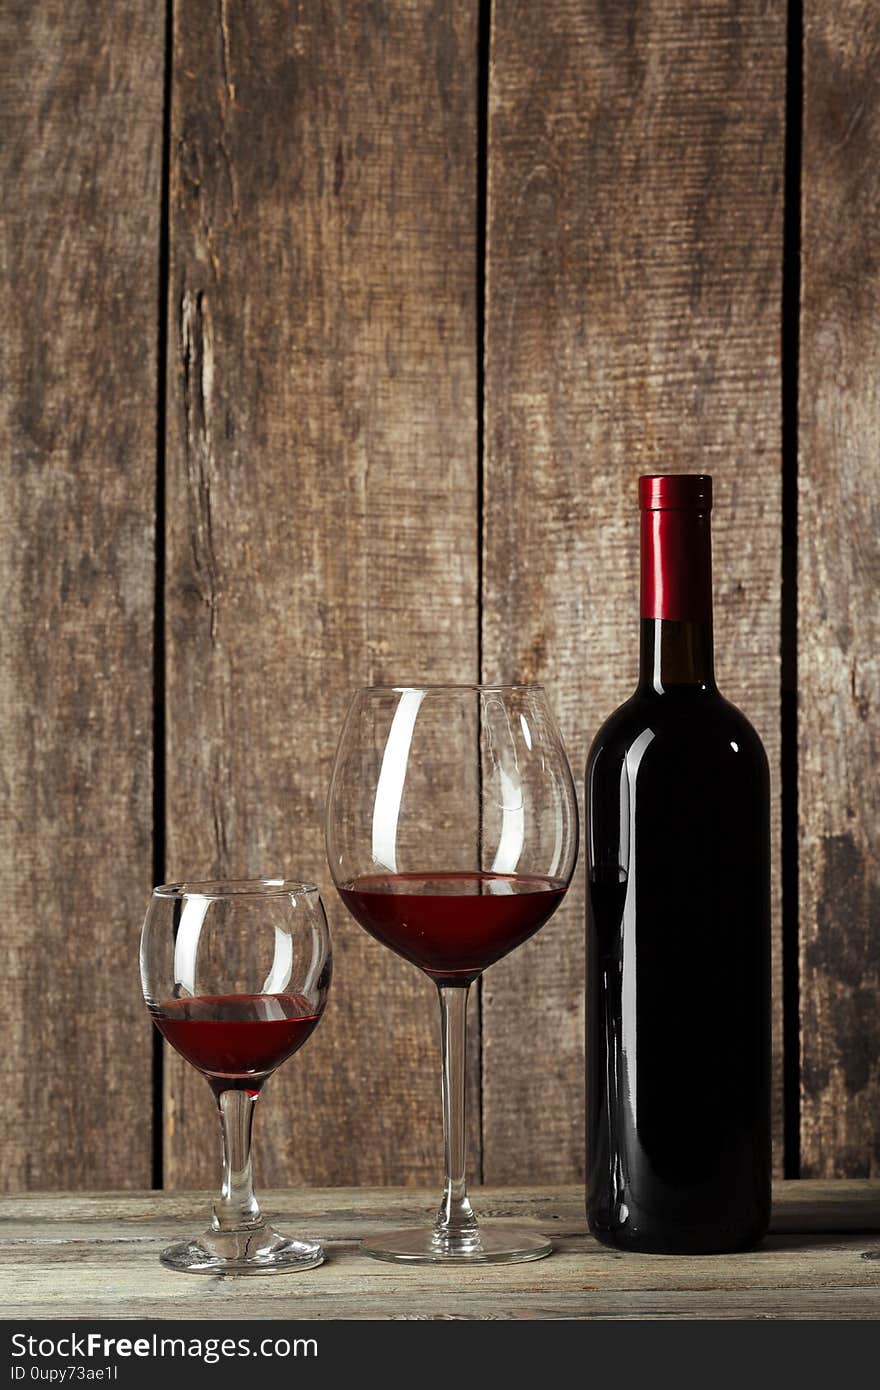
x=452 y=836
x=235 y=976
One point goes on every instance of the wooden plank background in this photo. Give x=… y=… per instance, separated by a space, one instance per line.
x=367 y=473
x=634 y=290
x=322 y=391
x=838 y=578
x=81 y=173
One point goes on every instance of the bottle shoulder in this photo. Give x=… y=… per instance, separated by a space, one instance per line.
x=691 y=721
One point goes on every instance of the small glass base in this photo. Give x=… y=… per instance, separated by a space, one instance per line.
x=494 y=1242
x=260 y=1250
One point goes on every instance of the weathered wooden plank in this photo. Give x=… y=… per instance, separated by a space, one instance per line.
x=804 y=1207
x=633 y=324
x=785 y=1262
x=81 y=112
x=83 y=1256
x=825 y=1206
x=322 y=497
x=264 y=1301
x=838 y=574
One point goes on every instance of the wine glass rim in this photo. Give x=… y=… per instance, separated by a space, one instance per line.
x=481 y=687
x=236 y=888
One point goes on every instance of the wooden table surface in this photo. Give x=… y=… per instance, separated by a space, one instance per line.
x=96 y=1255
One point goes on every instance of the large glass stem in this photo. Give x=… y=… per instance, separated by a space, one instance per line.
x=236 y=1208
x=455 y=1228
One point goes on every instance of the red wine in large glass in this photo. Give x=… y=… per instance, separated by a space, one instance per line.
x=238 y=1039
x=678 y=925
x=452 y=925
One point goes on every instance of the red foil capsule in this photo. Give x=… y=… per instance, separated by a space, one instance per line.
x=676 y=546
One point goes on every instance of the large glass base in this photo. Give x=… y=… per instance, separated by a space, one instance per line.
x=493 y=1242
x=258 y=1250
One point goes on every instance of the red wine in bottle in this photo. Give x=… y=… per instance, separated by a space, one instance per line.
x=678 y=924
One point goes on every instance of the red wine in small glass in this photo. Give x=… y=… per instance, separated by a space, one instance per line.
x=235 y=976
x=236 y=1040
x=678 y=925
x=452 y=837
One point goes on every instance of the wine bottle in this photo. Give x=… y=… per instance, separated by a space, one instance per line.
x=678 y=924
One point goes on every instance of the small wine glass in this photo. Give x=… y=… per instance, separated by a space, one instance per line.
x=235 y=976
x=452 y=834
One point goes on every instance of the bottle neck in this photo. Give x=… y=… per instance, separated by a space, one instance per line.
x=675 y=655
x=676 y=601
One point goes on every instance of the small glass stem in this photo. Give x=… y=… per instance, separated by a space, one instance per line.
x=455 y=1224
x=236 y=1208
